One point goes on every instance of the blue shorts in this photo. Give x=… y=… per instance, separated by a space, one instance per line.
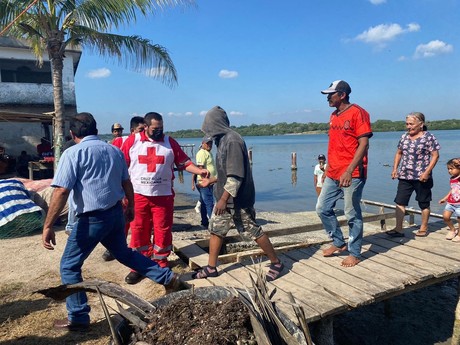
x=455 y=209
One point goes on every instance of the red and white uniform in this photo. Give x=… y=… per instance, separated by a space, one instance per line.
x=119 y=141
x=151 y=169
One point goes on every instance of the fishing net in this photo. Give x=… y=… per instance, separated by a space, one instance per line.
x=19 y=215
x=22 y=225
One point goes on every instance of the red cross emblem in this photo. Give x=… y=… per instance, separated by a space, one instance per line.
x=151 y=159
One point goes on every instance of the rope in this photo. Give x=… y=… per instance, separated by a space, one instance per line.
x=20 y=14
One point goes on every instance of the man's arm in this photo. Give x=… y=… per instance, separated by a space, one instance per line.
x=129 y=194
x=363 y=145
x=192 y=168
x=58 y=201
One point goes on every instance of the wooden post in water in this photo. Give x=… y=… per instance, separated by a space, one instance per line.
x=250 y=156
x=293 y=161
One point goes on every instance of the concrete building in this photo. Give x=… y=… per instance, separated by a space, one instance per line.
x=26 y=95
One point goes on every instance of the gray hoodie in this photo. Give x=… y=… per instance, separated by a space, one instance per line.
x=231 y=159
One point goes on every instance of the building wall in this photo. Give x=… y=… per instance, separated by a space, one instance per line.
x=29 y=93
x=15 y=137
x=31 y=98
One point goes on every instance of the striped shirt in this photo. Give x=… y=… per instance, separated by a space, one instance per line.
x=93 y=170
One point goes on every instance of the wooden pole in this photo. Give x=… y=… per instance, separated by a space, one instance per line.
x=250 y=156
x=293 y=161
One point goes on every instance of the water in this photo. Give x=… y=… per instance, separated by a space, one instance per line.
x=280 y=189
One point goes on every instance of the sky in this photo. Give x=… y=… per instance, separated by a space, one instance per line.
x=266 y=61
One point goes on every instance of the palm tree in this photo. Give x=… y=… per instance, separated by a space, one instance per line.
x=53 y=25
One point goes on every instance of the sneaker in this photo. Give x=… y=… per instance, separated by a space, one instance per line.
x=107 y=256
x=198 y=207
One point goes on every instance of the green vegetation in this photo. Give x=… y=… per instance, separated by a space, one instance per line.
x=313 y=127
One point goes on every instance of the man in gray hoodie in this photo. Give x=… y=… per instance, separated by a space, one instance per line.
x=235 y=194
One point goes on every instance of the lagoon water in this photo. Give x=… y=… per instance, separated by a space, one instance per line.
x=280 y=189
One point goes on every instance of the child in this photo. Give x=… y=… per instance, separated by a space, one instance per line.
x=452 y=199
x=318 y=173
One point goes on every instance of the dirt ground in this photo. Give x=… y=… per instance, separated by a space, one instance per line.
x=421 y=317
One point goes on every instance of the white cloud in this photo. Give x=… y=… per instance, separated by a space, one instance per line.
x=236 y=113
x=226 y=74
x=173 y=114
x=155 y=72
x=383 y=33
x=203 y=112
x=377 y=2
x=432 y=48
x=99 y=73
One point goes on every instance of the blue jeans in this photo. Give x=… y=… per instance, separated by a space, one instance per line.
x=71 y=219
x=207 y=204
x=329 y=196
x=106 y=227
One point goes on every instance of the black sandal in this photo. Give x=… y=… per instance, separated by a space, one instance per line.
x=274 y=271
x=205 y=272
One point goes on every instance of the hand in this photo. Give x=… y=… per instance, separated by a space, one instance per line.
x=204 y=173
x=220 y=207
x=48 y=238
x=424 y=177
x=442 y=201
x=129 y=214
x=193 y=187
x=394 y=174
x=204 y=182
x=345 y=179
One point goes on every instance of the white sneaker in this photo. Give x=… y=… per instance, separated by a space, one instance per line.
x=198 y=207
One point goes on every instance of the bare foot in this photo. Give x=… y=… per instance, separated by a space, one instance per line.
x=333 y=249
x=350 y=261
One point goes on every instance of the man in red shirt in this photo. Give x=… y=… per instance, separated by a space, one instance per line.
x=151 y=157
x=346 y=172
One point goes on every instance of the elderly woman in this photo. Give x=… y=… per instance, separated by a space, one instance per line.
x=415 y=158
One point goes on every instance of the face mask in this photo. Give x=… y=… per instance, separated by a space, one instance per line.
x=157 y=134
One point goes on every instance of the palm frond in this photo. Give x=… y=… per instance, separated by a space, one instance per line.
x=133 y=52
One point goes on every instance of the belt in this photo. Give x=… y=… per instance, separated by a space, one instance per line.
x=97 y=212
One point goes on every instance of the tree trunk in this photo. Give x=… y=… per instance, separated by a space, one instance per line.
x=56 y=53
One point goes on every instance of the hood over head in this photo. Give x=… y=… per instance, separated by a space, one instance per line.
x=216 y=123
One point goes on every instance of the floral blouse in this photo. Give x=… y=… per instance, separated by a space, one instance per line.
x=416 y=155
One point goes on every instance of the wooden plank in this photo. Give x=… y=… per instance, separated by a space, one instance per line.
x=438 y=265
x=281 y=299
x=255 y=253
x=437 y=244
x=382 y=286
x=397 y=261
x=309 y=292
x=304 y=228
x=196 y=255
x=344 y=291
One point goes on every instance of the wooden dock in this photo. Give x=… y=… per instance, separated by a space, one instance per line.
x=390 y=267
